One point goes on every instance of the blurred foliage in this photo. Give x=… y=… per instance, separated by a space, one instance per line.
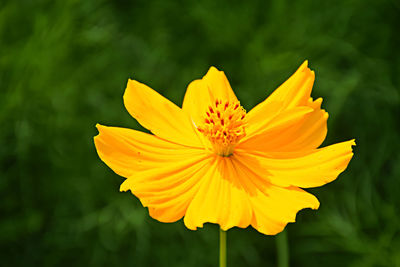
x=64 y=66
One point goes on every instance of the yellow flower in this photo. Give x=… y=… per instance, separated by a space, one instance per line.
x=210 y=161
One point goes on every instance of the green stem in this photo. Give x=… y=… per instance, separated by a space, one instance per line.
x=222 y=248
x=282 y=249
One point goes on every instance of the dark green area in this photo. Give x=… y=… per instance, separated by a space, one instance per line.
x=64 y=66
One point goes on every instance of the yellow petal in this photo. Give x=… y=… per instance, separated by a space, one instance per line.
x=317 y=168
x=167 y=189
x=159 y=115
x=262 y=115
x=293 y=92
x=128 y=151
x=273 y=206
x=201 y=93
x=281 y=121
x=305 y=132
x=221 y=199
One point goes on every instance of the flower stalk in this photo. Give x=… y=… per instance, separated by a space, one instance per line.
x=222 y=248
x=282 y=248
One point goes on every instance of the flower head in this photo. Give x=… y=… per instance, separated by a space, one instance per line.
x=210 y=161
x=224 y=126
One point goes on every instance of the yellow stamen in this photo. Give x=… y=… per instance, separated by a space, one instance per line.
x=224 y=126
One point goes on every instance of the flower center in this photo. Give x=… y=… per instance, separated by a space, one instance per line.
x=224 y=126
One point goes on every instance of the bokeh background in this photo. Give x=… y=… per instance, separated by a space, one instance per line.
x=64 y=66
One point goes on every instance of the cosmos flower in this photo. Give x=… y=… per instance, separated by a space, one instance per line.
x=210 y=161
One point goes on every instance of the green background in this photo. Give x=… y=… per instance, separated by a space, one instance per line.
x=64 y=66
